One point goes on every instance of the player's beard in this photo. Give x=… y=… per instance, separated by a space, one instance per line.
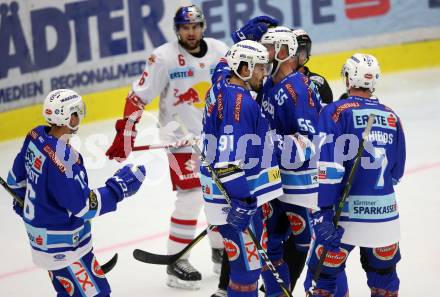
x=256 y=86
x=189 y=46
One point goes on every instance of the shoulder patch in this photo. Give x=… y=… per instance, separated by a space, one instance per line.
x=220 y=106
x=33 y=134
x=341 y=108
x=52 y=156
x=237 y=107
x=151 y=59
x=292 y=92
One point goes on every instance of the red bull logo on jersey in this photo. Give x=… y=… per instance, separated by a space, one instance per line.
x=332 y=259
x=190 y=96
x=297 y=223
x=386 y=253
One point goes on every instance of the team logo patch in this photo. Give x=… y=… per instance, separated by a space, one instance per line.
x=34 y=158
x=96 y=269
x=67 y=285
x=232 y=249
x=333 y=259
x=297 y=223
x=386 y=253
x=392 y=121
x=151 y=59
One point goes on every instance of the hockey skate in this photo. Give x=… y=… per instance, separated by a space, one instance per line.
x=217 y=256
x=220 y=293
x=183 y=275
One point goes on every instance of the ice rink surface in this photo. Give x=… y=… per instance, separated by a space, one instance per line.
x=142 y=221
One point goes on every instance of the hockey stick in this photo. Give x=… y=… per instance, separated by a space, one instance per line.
x=248 y=230
x=151 y=258
x=106 y=267
x=9 y=190
x=160 y=146
x=344 y=197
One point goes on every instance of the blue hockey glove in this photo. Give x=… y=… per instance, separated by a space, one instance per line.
x=241 y=213
x=325 y=231
x=254 y=29
x=126 y=181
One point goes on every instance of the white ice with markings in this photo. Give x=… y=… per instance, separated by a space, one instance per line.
x=142 y=221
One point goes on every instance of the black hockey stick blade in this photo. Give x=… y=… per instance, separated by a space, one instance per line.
x=107 y=267
x=9 y=190
x=151 y=258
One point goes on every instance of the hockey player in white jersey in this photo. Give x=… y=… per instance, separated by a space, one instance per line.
x=180 y=72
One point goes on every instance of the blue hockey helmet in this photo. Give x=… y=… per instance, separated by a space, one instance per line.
x=189 y=15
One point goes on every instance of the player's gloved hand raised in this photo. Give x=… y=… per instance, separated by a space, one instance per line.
x=124 y=140
x=241 y=213
x=254 y=29
x=126 y=181
x=325 y=231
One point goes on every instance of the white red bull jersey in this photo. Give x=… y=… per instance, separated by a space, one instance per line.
x=182 y=81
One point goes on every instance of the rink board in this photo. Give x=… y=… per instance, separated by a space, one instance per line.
x=110 y=103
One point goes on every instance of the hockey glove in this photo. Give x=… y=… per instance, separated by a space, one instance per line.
x=124 y=140
x=241 y=213
x=126 y=129
x=126 y=181
x=325 y=231
x=254 y=29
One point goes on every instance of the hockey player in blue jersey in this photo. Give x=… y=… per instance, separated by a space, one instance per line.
x=291 y=105
x=58 y=204
x=237 y=142
x=370 y=218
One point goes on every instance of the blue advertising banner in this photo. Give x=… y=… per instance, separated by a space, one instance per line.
x=96 y=45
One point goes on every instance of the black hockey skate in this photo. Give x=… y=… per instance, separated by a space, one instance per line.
x=217 y=256
x=181 y=274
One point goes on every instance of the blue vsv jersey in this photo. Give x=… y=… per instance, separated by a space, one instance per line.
x=370 y=215
x=51 y=178
x=235 y=132
x=293 y=106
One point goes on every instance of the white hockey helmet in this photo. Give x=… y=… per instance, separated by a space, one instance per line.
x=247 y=51
x=59 y=106
x=279 y=36
x=361 y=71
